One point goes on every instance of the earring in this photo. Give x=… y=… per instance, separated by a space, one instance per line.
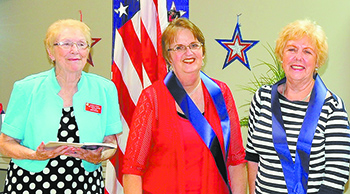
x=169 y=67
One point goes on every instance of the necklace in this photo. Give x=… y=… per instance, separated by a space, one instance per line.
x=195 y=88
x=304 y=99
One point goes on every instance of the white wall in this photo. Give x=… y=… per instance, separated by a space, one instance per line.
x=262 y=20
x=23 y=26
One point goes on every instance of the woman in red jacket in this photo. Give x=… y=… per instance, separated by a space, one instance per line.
x=185 y=135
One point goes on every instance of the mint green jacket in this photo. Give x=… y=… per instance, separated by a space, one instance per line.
x=35 y=109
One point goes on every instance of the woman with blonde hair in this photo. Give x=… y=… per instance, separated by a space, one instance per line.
x=299 y=137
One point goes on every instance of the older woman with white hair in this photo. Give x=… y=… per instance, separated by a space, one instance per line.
x=62 y=104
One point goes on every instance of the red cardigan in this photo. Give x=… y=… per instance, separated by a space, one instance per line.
x=155 y=149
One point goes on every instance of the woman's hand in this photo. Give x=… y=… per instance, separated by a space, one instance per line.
x=42 y=153
x=12 y=148
x=132 y=184
x=93 y=156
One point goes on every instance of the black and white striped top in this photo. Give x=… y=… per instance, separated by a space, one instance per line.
x=330 y=151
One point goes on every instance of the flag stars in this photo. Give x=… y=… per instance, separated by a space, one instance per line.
x=173 y=13
x=121 y=10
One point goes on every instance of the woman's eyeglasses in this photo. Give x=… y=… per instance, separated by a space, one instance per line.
x=69 y=45
x=182 y=48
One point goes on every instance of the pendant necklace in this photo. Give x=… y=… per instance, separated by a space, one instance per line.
x=304 y=99
x=195 y=88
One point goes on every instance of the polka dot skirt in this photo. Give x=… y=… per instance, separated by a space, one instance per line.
x=62 y=174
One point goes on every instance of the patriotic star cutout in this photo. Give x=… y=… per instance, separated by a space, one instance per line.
x=237 y=48
x=94 y=41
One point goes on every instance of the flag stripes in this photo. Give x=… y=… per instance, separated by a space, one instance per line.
x=137 y=63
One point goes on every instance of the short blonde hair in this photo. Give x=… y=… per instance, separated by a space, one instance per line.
x=57 y=27
x=297 y=30
x=169 y=35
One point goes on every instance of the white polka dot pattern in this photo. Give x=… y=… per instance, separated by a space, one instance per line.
x=62 y=174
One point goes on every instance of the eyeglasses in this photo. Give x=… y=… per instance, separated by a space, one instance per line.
x=182 y=48
x=68 y=45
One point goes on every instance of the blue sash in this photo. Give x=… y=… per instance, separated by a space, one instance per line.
x=296 y=174
x=199 y=122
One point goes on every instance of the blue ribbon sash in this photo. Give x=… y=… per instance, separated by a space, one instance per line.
x=199 y=122
x=296 y=173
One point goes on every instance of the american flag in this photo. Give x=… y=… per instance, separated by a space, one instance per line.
x=137 y=63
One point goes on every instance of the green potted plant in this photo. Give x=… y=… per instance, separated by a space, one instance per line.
x=273 y=74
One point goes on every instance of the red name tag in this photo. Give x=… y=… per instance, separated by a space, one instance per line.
x=93 y=108
x=0 y=108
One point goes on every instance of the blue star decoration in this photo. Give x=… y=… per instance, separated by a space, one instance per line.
x=237 y=48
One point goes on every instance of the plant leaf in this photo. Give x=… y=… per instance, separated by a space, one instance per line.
x=273 y=74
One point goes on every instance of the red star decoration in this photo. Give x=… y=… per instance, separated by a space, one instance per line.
x=236 y=49
x=94 y=41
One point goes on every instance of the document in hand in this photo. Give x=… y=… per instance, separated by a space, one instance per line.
x=87 y=146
